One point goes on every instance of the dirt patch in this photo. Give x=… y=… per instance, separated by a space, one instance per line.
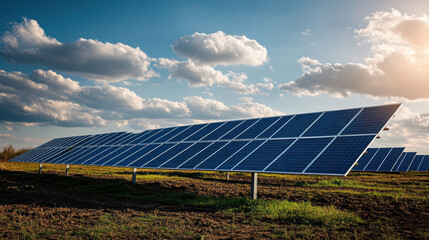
x=31 y=207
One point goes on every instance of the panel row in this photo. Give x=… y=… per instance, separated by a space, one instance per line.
x=379 y=160
x=326 y=155
x=368 y=120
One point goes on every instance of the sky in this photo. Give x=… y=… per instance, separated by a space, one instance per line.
x=72 y=68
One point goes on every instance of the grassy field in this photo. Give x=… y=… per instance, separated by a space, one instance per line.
x=101 y=202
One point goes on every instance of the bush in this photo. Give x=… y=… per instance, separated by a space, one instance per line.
x=8 y=152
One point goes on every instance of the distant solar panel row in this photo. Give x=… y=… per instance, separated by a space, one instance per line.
x=313 y=143
x=391 y=160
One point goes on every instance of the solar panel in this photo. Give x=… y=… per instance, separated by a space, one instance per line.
x=311 y=143
x=379 y=160
x=414 y=166
x=405 y=161
x=424 y=165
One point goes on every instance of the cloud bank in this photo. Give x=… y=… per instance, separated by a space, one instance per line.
x=48 y=98
x=27 y=43
x=399 y=66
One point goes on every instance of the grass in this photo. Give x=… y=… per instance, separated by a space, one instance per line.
x=309 y=211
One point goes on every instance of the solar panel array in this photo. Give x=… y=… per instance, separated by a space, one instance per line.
x=327 y=143
x=419 y=163
x=379 y=160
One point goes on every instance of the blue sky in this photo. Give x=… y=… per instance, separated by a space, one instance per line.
x=72 y=67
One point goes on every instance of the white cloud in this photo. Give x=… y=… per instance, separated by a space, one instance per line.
x=399 y=66
x=220 y=49
x=45 y=97
x=204 y=75
x=212 y=109
x=306 y=32
x=27 y=43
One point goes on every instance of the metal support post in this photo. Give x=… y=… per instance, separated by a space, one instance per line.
x=254 y=186
x=227 y=176
x=67 y=169
x=134 y=175
x=40 y=168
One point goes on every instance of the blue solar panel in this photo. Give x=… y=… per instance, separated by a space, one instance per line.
x=398 y=162
x=185 y=155
x=371 y=120
x=263 y=155
x=159 y=134
x=378 y=159
x=201 y=156
x=95 y=156
x=152 y=154
x=60 y=158
x=85 y=159
x=299 y=155
x=140 y=152
x=204 y=132
x=416 y=163
x=303 y=143
x=275 y=127
x=167 y=155
x=240 y=155
x=257 y=128
x=424 y=165
x=171 y=134
x=239 y=129
x=340 y=156
x=71 y=158
x=365 y=159
x=118 y=157
x=108 y=154
x=221 y=155
x=406 y=162
x=135 y=137
x=331 y=123
x=145 y=136
x=222 y=130
x=391 y=159
x=188 y=132
x=297 y=125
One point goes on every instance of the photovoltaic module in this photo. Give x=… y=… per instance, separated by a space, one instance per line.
x=325 y=143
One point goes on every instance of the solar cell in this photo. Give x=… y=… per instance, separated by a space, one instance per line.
x=222 y=130
x=390 y=160
x=263 y=155
x=239 y=129
x=297 y=125
x=167 y=155
x=406 y=162
x=416 y=163
x=371 y=120
x=340 y=155
x=188 y=132
x=424 y=165
x=220 y=156
x=185 y=155
x=299 y=155
x=141 y=151
x=241 y=154
x=201 y=156
x=378 y=159
x=365 y=159
x=331 y=123
x=257 y=128
x=151 y=155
